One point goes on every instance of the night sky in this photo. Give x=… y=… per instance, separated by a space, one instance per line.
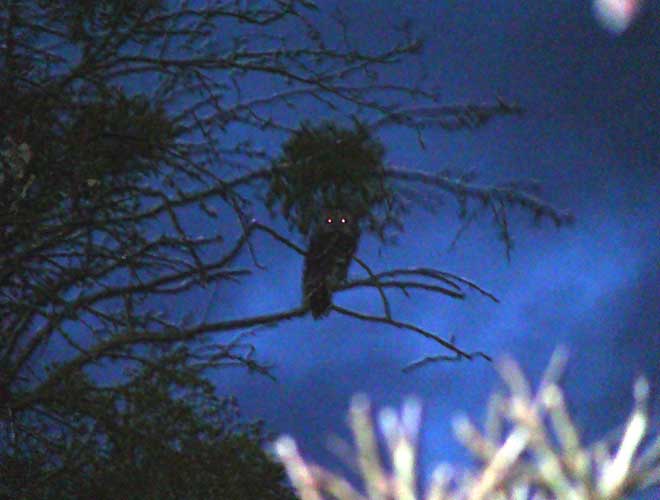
x=590 y=136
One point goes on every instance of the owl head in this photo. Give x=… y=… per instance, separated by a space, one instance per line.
x=336 y=220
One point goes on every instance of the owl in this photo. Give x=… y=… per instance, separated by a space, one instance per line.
x=332 y=244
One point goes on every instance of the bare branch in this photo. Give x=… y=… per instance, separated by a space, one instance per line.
x=100 y=221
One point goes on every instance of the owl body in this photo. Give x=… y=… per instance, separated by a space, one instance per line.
x=332 y=245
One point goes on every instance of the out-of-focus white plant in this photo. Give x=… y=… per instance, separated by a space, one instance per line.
x=530 y=450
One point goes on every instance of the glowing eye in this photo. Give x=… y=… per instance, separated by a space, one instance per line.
x=343 y=220
x=329 y=220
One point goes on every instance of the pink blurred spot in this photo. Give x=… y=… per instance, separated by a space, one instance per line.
x=616 y=15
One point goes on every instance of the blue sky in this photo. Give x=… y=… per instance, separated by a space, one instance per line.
x=591 y=136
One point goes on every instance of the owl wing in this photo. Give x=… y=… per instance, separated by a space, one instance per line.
x=343 y=249
x=326 y=265
x=315 y=291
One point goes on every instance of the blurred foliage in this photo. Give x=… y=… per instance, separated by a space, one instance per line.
x=163 y=434
x=329 y=167
x=86 y=155
x=14 y=159
x=85 y=17
x=530 y=449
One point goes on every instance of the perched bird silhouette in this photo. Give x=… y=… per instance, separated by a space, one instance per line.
x=332 y=244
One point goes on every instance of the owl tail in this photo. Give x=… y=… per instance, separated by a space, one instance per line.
x=320 y=300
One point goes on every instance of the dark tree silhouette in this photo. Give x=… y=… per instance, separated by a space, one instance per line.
x=91 y=223
x=163 y=435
